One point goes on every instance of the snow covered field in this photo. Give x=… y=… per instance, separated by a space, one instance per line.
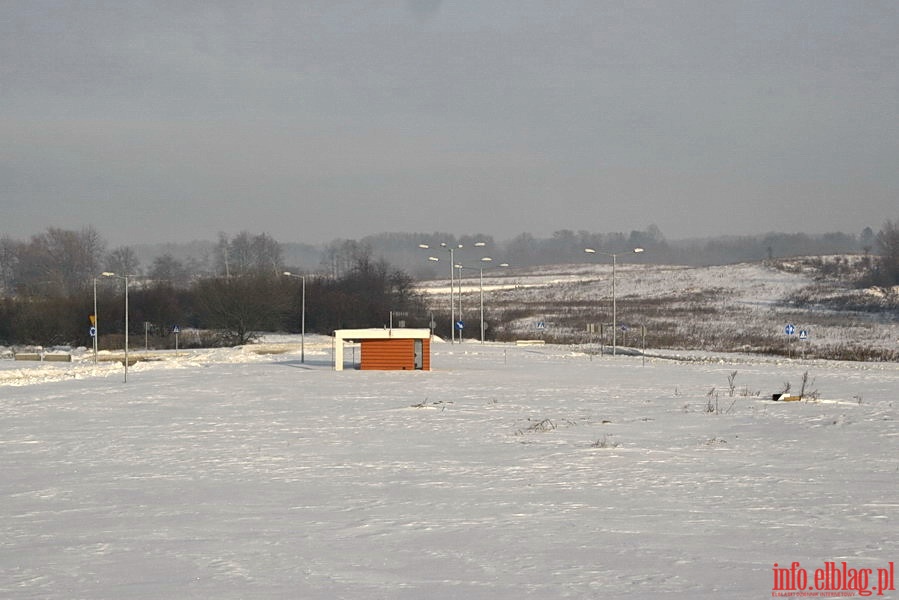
x=507 y=472
x=741 y=307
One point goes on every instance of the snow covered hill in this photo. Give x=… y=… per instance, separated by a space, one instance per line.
x=742 y=308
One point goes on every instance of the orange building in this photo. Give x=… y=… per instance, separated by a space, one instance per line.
x=386 y=349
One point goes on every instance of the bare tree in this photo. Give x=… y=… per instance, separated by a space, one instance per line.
x=8 y=260
x=240 y=307
x=267 y=254
x=888 y=248
x=342 y=256
x=240 y=254
x=123 y=261
x=59 y=261
x=245 y=254
x=169 y=269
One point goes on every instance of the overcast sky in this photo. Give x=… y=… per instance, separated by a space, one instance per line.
x=174 y=120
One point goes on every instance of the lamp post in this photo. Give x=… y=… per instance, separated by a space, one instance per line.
x=480 y=268
x=461 y=317
x=476 y=245
x=302 y=315
x=614 y=304
x=125 y=279
x=486 y=259
x=481 y=291
x=96 y=323
x=451 y=251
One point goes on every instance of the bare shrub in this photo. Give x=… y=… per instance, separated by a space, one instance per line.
x=730 y=383
x=804 y=391
x=540 y=426
x=605 y=442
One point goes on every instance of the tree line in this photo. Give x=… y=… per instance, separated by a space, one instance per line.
x=50 y=283
x=239 y=287
x=567 y=247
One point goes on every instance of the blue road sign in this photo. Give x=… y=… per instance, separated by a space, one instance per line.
x=176 y=329
x=541 y=325
x=803 y=334
x=92 y=331
x=460 y=325
x=790 y=329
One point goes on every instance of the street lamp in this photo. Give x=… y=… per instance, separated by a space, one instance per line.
x=614 y=305
x=461 y=317
x=451 y=251
x=96 y=322
x=477 y=245
x=480 y=268
x=302 y=315
x=125 y=279
x=486 y=259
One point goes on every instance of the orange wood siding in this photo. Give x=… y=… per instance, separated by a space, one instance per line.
x=426 y=350
x=393 y=354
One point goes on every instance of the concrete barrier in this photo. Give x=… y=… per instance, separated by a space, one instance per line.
x=57 y=358
x=43 y=357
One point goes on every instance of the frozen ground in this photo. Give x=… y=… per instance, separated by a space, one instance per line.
x=506 y=472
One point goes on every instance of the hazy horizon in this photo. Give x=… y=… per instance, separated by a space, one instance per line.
x=430 y=236
x=169 y=122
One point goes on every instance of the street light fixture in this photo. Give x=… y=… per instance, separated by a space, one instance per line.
x=614 y=304
x=480 y=268
x=461 y=317
x=451 y=251
x=453 y=266
x=486 y=259
x=96 y=323
x=302 y=315
x=125 y=279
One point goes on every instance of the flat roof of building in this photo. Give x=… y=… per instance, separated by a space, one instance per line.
x=382 y=334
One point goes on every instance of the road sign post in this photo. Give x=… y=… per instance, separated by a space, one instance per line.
x=803 y=337
x=789 y=330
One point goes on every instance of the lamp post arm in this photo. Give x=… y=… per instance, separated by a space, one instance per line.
x=302 y=278
x=125 y=279
x=614 y=311
x=126 y=328
x=614 y=299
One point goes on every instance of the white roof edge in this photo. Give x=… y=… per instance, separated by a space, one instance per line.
x=374 y=334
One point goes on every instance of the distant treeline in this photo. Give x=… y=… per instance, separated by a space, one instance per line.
x=73 y=256
x=567 y=246
x=57 y=286
x=241 y=284
x=403 y=250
